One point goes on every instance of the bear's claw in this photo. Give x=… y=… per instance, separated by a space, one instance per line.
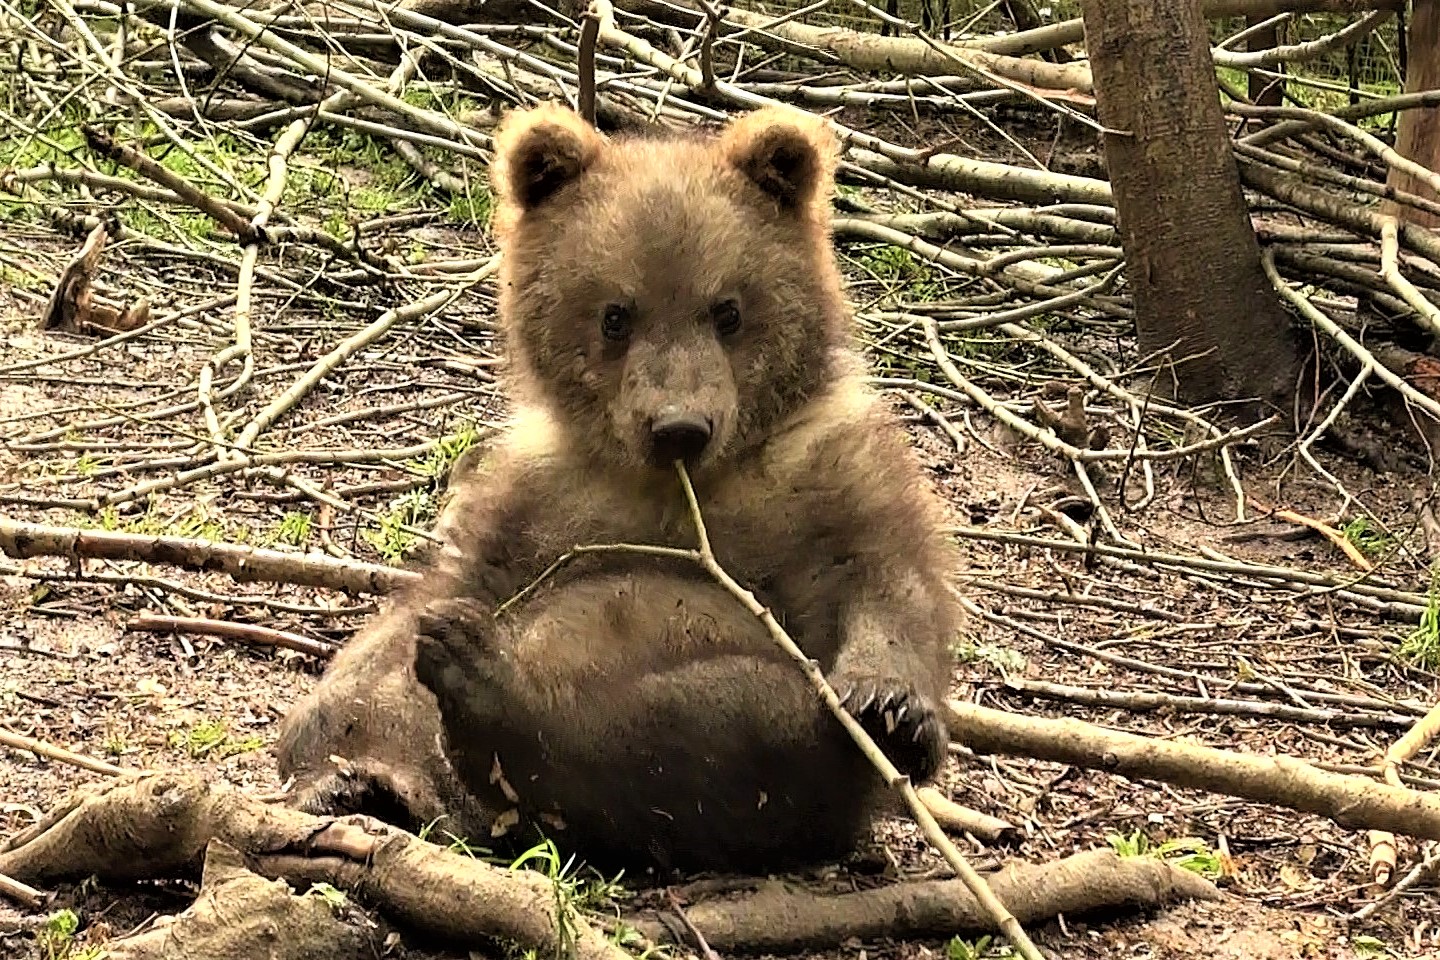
x=904 y=723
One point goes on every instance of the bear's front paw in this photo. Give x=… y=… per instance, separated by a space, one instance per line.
x=456 y=655
x=905 y=723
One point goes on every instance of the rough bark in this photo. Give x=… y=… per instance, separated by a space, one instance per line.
x=1418 y=136
x=1201 y=297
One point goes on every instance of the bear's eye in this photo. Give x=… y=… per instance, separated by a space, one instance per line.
x=615 y=324
x=726 y=315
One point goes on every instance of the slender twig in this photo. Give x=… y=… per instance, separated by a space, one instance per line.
x=18 y=741
x=974 y=882
x=22 y=893
x=248 y=632
x=585 y=61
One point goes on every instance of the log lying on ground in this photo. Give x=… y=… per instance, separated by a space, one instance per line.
x=21 y=541
x=159 y=825
x=781 y=920
x=1356 y=802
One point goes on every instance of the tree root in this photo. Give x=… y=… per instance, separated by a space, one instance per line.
x=781 y=920
x=165 y=825
x=242 y=916
x=160 y=825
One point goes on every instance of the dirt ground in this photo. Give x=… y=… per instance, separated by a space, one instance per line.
x=71 y=674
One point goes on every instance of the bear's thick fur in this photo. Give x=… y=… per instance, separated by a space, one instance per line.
x=662 y=297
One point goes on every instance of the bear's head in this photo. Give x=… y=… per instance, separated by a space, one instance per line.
x=667 y=296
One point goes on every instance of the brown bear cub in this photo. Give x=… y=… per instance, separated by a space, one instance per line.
x=662 y=298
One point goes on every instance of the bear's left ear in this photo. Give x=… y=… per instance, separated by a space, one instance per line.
x=788 y=153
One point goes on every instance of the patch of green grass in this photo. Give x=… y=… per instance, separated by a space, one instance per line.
x=197 y=525
x=1135 y=845
x=1004 y=659
x=56 y=939
x=212 y=737
x=417 y=508
x=1421 y=646
x=21 y=279
x=295 y=528
x=61 y=141
x=890 y=362
x=1237 y=79
x=900 y=269
x=982 y=948
x=1187 y=853
x=447 y=450
x=333 y=897
x=341 y=176
x=440 y=99
x=1368 y=946
x=175 y=223
x=574 y=891
x=1193 y=854
x=472 y=209
x=391 y=540
x=1368 y=538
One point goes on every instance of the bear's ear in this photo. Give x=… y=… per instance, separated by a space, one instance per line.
x=539 y=150
x=788 y=153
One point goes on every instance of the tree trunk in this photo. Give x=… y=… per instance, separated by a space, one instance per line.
x=1202 y=301
x=1418 y=137
x=1266 y=91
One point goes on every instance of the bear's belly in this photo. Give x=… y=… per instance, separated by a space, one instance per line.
x=662 y=725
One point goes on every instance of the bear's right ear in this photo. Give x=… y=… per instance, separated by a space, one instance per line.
x=539 y=150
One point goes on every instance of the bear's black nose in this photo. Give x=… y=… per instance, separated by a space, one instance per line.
x=679 y=435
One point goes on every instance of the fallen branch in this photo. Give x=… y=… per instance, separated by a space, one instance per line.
x=1389 y=601
x=781 y=920
x=21 y=893
x=40 y=748
x=952 y=816
x=1147 y=701
x=1352 y=552
x=1356 y=802
x=213 y=208
x=1382 y=842
x=21 y=541
x=247 y=632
